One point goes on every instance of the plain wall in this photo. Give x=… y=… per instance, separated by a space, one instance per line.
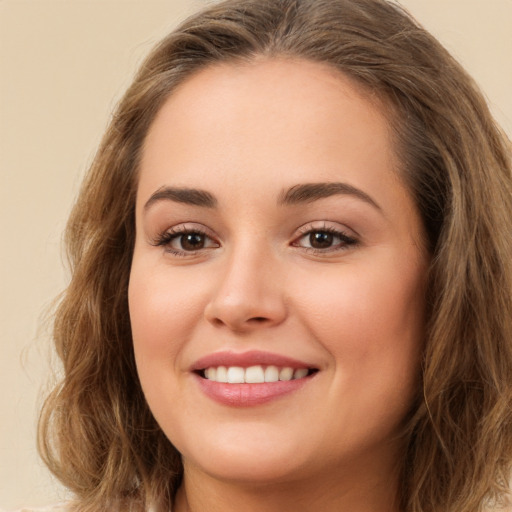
x=63 y=66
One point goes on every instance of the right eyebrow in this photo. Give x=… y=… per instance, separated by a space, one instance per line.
x=192 y=196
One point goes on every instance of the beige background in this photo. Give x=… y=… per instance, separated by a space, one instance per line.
x=63 y=65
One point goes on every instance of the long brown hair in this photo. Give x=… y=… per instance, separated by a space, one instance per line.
x=96 y=431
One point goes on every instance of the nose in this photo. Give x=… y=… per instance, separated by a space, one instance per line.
x=249 y=294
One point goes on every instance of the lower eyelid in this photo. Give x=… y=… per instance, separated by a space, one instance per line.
x=334 y=248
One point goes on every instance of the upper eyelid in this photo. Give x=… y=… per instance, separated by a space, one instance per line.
x=190 y=227
x=170 y=233
x=326 y=225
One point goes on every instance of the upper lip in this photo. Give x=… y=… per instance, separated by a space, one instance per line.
x=246 y=359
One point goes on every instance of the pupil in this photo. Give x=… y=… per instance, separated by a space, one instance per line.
x=192 y=241
x=320 y=239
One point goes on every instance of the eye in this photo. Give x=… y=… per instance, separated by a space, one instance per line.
x=182 y=241
x=189 y=241
x=321 y=239
x=324 y=240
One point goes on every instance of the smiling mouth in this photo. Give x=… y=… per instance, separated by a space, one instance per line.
x=257 y=374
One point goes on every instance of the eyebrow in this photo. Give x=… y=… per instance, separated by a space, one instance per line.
x=309 y=192
x=192 y=196
x=298 y=194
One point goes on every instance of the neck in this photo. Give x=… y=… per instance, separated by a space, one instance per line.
x=354 y=489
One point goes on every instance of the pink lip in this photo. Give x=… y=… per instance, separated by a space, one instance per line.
x=246 y=359
x=247 y=395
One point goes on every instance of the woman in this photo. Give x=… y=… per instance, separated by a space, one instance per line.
x=292 y=283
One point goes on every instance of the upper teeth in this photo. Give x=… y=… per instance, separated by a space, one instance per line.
x=253 y=374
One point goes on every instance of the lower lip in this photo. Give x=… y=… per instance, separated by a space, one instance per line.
x=247 y=395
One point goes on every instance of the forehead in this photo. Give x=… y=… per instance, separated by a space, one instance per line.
x=251 y=130
x=296 y=106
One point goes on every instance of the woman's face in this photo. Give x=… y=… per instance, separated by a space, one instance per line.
x=275 y=240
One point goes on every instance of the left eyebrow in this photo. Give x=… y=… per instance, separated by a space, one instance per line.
x=309 y=192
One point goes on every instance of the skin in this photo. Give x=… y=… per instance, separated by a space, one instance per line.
x=244 y=133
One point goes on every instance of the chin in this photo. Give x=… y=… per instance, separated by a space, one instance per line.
x=257 y=471
x=245 y=458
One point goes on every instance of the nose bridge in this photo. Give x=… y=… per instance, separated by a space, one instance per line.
x=249 y=292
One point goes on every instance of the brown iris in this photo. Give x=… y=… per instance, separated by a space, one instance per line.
x=321 y=239
x=192 y=241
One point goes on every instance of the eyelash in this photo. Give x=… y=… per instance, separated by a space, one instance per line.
x=166 y=238
x=346 y=240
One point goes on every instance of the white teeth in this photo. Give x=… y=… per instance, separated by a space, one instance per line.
x=286 y=374
x=271 y=374
x=222 y=374
x=253 y=374
x=300 y=373
x=211 y=373
x=236 y=375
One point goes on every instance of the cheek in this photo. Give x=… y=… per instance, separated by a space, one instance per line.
x=164 y=311
x=369 y=317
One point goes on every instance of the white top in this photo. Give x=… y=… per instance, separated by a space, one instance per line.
x=61 y=507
